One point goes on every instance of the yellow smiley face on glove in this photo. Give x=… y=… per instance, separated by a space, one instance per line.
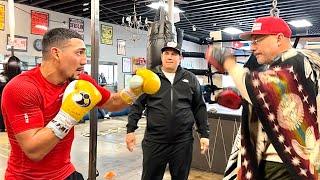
x=80 y=97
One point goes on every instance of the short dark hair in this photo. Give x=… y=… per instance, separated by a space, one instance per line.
x=56 y=36
x=12 y=67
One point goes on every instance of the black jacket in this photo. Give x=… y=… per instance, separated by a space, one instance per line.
x=172 y=111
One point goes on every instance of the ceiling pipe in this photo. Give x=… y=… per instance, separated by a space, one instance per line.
x=193 y=39
x=193 y=54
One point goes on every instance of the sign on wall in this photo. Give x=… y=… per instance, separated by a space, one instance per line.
x=106 y=34
x=20 y=43
x=126 y=80
x=138 y=62
x=2 y=17
x=39 y=22
x=77 y=25
x=126 y=65
x=121 y=47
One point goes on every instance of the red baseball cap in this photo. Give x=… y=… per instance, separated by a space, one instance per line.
x=268 y=25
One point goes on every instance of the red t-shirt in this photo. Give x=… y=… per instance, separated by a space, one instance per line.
x=30 y=101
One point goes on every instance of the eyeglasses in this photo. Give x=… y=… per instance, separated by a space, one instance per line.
x=258 y=40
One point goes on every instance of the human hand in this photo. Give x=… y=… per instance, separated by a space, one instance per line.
x=79 y=97
x=151 y=81
x=145 y=81
x=131 y=141
x=204 y=145
x=217 y=56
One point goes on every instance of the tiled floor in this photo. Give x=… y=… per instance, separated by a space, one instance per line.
x=112 y=154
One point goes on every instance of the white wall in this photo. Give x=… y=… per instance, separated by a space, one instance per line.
x=193 y=63
x=108 y=53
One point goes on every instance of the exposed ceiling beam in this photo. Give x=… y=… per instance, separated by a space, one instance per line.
x=57 y=3
x=229 y=11
x=38 y=2
x=69 y=6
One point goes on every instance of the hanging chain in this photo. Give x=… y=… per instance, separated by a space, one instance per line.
x=274 y=11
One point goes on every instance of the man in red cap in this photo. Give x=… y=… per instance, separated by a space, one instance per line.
x=279 y=136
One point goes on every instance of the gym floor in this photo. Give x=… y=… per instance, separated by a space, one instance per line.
x=112 y=154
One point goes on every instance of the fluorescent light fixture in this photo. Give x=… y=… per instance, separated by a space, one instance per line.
x=41 y=27
x=85 y=9
x=232 y=30
x=313 y=43
x=300 y=23
x=85 y=4
x=156 y=5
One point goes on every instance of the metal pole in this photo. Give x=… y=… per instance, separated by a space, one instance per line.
x=171 y=18
x=170 y=11
x=12 y=25
x=94 y=73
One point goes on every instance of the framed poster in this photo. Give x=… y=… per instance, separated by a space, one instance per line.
x=126 y=80
x=126 y=65
x=106 y=34
x=20 y=43
x=39 y=22
x=2 y=17
x=77 y=25
x=138 y=62
x=121 y=47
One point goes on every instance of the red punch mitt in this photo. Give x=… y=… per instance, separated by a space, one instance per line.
x=229 y=98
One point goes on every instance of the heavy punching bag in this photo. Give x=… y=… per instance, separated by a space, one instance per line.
x=159 y=34
x=180 y=34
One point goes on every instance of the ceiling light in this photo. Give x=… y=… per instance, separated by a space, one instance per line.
x=85 y=4
x=85 y=9
x=300 y=23
x=313 y=43
x=194 y=28
x=156 y=5
x=232 y=30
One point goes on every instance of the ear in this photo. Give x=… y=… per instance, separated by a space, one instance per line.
x=280 y=37
x=55 y=52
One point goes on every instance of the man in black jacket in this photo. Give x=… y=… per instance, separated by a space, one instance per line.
x=171 y=114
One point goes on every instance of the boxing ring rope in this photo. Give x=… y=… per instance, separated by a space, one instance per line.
x=235 y=129
x=210 y=154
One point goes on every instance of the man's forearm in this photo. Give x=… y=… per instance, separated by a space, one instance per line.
x=115 y=103
x=238 y=75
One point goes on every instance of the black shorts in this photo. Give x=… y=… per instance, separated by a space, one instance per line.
x=75 y=176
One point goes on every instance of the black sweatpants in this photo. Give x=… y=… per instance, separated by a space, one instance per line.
x=274 y=170
x=75 y=176
x=156 y=156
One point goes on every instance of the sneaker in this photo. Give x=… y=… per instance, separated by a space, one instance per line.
x=107 y=116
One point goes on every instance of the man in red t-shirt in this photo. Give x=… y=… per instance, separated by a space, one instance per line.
x=41 y=106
